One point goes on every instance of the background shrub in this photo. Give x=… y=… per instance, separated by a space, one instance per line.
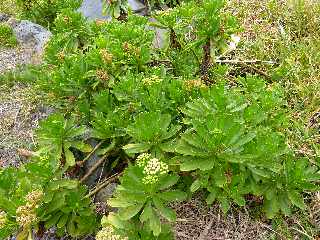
x=44 y=12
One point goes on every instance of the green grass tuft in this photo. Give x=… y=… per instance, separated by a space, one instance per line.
x=7 y=37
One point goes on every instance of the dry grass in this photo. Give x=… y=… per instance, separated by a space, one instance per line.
x=20 y=111
x=197 y=221
x=9 y=7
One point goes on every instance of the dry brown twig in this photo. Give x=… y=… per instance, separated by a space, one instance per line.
x=104 y=184
x=95 y=166
x=80 y=163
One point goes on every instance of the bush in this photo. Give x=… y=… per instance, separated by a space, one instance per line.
x=159 y=114
x=7 y=37
x=45 y=12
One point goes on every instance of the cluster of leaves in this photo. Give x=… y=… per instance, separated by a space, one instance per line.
x=144 y=204
x=63 y=204
x=7 y=37
x=235 y=147
x=112 y=84
x=45 y=12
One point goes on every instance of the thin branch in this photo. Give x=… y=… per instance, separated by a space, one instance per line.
x=80 y=163
x=257 y=70
x=95 y=166
x=104 y=184
x=270 y=229
x=244 y=61
x=303 y=233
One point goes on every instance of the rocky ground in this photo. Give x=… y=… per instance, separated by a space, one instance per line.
x=20 y=109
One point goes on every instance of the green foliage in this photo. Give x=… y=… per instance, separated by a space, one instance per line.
x=225 y=134
x=228 y=144
x=44 y=12
x=144 y=194
x=115 y=8
x=56 y=136
x=65 y=206
x=150 y=130
x=7 y=37
x=72 y=34
x=63 y=203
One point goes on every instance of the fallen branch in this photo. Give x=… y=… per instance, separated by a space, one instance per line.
x=25 y=153
x=103 y=184
x=244 y=61
x=257 y=70
x=95 y=166
x=247 y=64
x=80 y=163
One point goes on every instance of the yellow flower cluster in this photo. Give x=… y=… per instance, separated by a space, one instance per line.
x=25 y=216
x=130 y=49
x=3 y=219
x=142 y=159
x=154 y=79
x=194 y=84
x=60 y=55
x=107 y=233
x=26 y=213
x=44 y=157
x=34 y=197
x=106 y=56
x=152 y=168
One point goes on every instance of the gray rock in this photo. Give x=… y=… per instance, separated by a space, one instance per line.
x=27 y=32
x=104 y=194
x=161 y=36
x=136 y=6
x=93 y=9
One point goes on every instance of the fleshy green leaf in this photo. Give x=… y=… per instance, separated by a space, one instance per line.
x=195 y=186
x=296 y=199
x=211 y=197
x=83 y=147
x=63 y=220
x=166 y=212
x=130 y=211
x=168 y=181
x=146 y=213
x=119 y=203
x=174 y=195
x=115 y=221
x=155 y=224
x=136 y=148
x=70 y=160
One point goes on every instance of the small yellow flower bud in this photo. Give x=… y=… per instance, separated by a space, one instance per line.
x=3 y=219
x=106 y=56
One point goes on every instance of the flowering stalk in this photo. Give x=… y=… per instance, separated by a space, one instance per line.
x=26 y=214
